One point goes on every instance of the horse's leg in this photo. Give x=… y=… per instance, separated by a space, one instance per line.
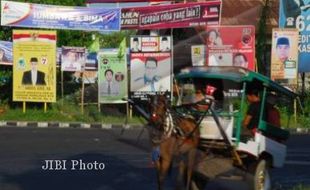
x=162 y=172
x=190 y=167
x=165 y=161
x=181 y=175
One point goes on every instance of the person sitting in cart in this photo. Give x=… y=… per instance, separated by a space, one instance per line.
x=273 y=113
x=250 y=121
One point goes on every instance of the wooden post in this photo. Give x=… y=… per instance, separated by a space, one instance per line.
x=295 y=112
x=62 y=89
x=82 y=93
x=303 y=87
x=45 y=107
x=24 y=107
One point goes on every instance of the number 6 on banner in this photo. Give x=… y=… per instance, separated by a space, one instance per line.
x=300 y=23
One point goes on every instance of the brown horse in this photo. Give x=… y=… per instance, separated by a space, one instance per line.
x=173 y=137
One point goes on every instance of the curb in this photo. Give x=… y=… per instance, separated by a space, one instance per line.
x=97 y=126
x=25 y=124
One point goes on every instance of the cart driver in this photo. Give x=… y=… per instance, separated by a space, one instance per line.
x=250 y=121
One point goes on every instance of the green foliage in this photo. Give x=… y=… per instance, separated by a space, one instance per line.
x=261 y=37
x=301 y=187
x=304 y=117
x=5 y=84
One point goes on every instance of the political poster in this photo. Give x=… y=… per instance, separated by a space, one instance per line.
x=6 y=53
x=284 y=56
x=225 y=49
x=88 y=77
x=150 y=44
x=177 y=15
x=198 y=55
x=295 y=14
x=59 y=17
x=34 y=66
x=73 y=58
x=112 y=76
x=151 y=68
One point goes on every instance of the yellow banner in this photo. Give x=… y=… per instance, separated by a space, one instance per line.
x=34 y=66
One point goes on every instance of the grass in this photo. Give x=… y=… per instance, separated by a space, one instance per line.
x=301 y=187
x=68 y=113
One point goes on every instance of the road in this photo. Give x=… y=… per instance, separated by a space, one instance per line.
x=127 y=162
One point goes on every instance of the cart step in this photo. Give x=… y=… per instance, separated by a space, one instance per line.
x=213 y=144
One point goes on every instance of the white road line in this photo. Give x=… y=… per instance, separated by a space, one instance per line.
x=293 y=162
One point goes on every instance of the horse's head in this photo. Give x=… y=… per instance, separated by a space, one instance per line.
x=159 y=105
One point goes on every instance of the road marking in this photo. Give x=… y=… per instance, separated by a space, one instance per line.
x=293 y=162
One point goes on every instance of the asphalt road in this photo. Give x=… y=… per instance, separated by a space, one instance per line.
x=125 y=162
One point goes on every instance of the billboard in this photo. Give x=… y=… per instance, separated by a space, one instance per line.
x=6 y=54
x=171 y=16
x=284 y=56
x=112 y=76
x=152 y=67
x=295 y=14
x=73 y=58
x=59 y=17
x=224 y=49
x=34 y=66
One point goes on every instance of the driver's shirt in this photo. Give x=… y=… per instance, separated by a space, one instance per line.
x=254 y=111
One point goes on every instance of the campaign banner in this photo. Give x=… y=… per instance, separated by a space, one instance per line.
x=34 y=66
x=225 y=49
x=6 y=53
x=73 y=58
x=295 y=14
x=91 y=61
x=171 y=16
x=59 y=17
x=198 y=55
x=284 y=56
x=88 y=77
x=150 y=74
x=150 y=44
x=112 y=76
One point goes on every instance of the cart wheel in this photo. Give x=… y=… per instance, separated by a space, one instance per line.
x=198 y=181
x=261 y=177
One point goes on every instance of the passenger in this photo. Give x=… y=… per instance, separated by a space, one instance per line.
x=250 y=122
x=200 y=101
x=273 y=113
x=218 y=100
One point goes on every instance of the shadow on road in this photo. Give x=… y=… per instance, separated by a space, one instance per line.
x=117 y=175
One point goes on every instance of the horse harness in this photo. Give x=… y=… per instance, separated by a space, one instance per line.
x=170 y=126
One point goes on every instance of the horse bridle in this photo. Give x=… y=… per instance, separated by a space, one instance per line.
x=168 y=124
x=164 y=121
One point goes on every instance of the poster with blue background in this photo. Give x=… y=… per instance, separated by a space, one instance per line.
x=296 y=14
x=6 y=54
x=59 y=17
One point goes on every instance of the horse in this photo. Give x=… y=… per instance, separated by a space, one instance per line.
x=172 y=136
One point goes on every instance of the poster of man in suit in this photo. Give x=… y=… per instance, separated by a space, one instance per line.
x=112 y=76
x=34 y=66
x=33 y=76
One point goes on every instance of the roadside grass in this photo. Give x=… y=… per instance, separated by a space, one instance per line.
x=301 y=187
x=68 y=113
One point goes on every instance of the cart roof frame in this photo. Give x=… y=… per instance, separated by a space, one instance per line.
x=235 y=74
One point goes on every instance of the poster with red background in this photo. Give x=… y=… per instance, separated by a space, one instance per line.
x=231 y=46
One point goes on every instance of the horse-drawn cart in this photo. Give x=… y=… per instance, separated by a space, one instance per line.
x=227 y=147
